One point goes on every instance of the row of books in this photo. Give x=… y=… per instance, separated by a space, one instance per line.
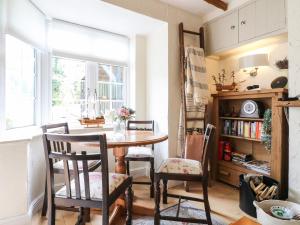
x=245 y=129
x=258 y=166
x=255 y=165
x=241 y=157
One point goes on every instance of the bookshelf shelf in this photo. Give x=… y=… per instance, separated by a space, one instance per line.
x=239 y=167
x=228 y=128
x=241 y=118
x=288 y=103
x=242 y=138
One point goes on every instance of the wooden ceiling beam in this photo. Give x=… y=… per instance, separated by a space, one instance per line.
x=218 y=3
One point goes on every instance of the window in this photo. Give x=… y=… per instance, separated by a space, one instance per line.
x=68 y=88
x=19 y=83
x=111 y=87
x=75 y=93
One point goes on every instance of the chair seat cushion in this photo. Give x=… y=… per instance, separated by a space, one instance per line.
x=181 y=166
x=136 y=152
x=60 y=164
x=95 y=180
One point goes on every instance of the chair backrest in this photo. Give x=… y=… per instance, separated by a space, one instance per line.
x=58 y=128
x=208 y=138
x=76 y=159
x=140 y=125
x=147 y=125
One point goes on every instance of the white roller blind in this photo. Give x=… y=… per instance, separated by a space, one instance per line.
x=84 y=42
x=26 y=22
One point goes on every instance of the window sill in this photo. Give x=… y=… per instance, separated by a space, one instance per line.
x=26 y=134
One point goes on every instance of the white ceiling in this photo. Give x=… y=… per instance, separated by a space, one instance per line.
x=100 y=15
x=199 y=7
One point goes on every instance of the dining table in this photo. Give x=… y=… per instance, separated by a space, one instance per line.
x=119 y=143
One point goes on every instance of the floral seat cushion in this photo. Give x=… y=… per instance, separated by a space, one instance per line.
x=181 y=166
x=95 y=178
x=60 y=164
x=139 y=152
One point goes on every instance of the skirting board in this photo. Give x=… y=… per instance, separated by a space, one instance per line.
x=17 y=220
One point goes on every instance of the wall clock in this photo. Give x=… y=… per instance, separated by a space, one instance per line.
x=252 y=109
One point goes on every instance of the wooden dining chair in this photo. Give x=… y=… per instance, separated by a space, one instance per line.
x=87 y=189
x=141 y=153
x=185 y=170
x=62 y=128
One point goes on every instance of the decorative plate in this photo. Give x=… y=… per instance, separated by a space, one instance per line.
x=282 y=212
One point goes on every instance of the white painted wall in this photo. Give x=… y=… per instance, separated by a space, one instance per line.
x=157 y=86
x=138 y=74
x=294 y=89
x=265 y=74
x=172 y=16
x=14 y=175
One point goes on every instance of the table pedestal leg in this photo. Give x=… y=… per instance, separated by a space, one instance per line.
x=120 y=167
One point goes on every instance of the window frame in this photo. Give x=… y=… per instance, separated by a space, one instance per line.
x=92 y=72
x=37 y=85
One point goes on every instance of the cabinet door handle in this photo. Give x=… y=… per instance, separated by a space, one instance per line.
x=232 y=27
x=225 y=173
x=243 y=22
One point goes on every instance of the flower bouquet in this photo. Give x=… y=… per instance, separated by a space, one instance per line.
x=124 y=113
x=121 y=116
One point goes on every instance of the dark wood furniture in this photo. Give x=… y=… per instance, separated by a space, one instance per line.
x=119 y=148
x=185 y=170
x=229 y=172
x=140 y=153
x=87 y=189
x=62 y=128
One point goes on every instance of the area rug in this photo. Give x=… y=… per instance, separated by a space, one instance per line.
x=186 y=210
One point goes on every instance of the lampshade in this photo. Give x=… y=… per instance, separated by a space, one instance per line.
x=253 y=61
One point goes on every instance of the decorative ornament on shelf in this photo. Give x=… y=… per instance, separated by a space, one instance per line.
x=267 y=129
x=283 y=66
x=220 y=83
x=89 y=116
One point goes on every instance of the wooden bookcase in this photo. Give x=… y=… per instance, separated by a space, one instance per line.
x=229 y=172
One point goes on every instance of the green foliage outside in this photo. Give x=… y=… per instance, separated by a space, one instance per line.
x=57 y=81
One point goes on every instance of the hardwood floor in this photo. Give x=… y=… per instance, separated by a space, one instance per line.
x=224 y=202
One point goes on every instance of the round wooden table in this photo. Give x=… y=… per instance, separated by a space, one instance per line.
x=119 y=143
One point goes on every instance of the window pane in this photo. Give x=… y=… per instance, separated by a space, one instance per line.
x=68 y=88
x=111 y=87
x=20 y=83
x=118 y=73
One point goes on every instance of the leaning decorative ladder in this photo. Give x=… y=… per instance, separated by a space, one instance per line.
x=186 y=119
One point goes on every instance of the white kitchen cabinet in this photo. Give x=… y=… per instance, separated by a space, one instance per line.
x=223 y=32
x=276 y=18
x=213 y=35
x=252 y=21
x=270 y=16
x=247 y=22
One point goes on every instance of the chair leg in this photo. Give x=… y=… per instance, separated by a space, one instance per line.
x=105 y=215
x=45 y=202
x=81 y=217
x=129 y=205
x=152 y=178
x=157 y=201
x=127 y=168
x=206 y=202
x=187 y=186
x=87 y=214
x=165 y=191
x=51 y=213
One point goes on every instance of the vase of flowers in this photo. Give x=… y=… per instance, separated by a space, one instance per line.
x=122 y=115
